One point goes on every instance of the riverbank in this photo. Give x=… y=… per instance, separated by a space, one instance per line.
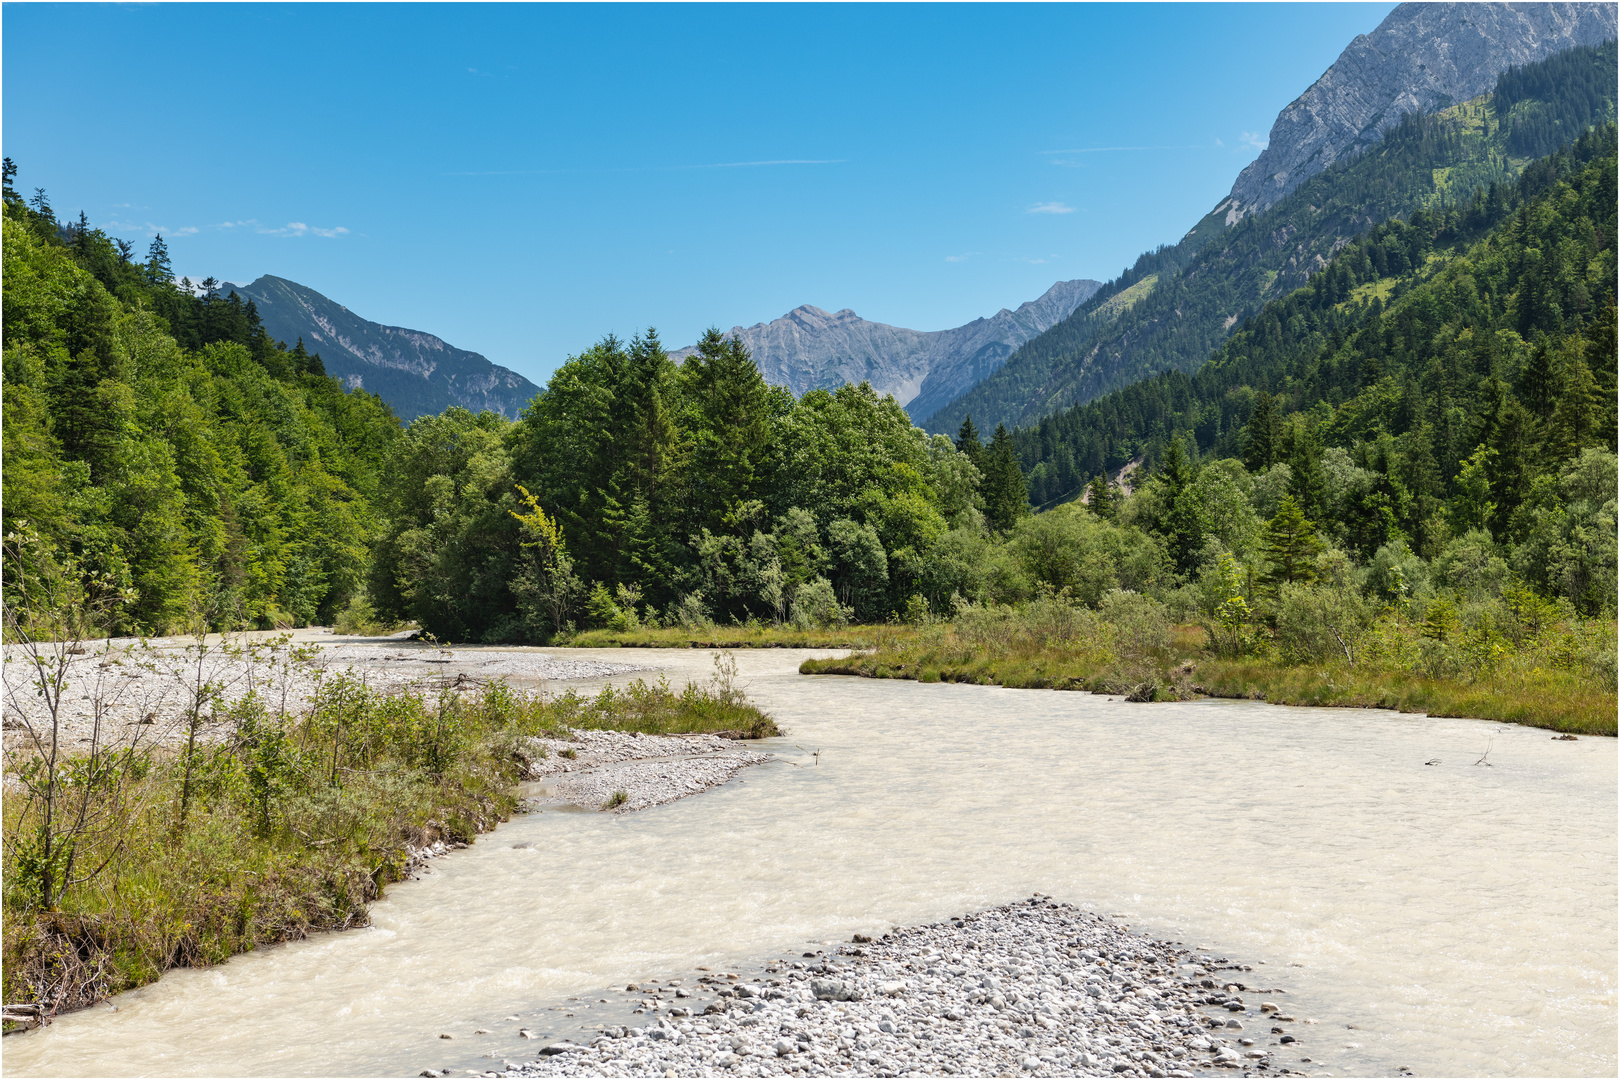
x=1035 y=988
x=1564 y=692
x=749 y=636
x=179 y=838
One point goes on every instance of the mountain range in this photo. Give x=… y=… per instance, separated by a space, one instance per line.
x=1327 y=176
x=809 y=348
x=415 y=372
x=1287 y=213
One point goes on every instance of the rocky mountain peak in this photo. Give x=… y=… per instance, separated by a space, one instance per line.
x=810 y=347
x=1423 y=57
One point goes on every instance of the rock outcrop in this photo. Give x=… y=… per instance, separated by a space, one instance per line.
x=1421 y=58
x=415 y=372
x=809 y=348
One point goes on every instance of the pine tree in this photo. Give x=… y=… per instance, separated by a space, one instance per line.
x=1006 y=498
x=967 y=440
x=1183 y=529
x=1535 y=384
x=158 y=270
x=1290 y=545
x=1573 y=425
x=1100 y=498
x=9 y=172
x=1260 y=436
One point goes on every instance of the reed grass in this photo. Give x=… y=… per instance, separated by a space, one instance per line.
x=1560 y=677
x=1556 y=700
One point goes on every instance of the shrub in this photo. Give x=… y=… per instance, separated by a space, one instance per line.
x=815 y=604
x=1314 y=623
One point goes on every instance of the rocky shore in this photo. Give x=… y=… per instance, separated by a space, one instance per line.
x=1035 y=988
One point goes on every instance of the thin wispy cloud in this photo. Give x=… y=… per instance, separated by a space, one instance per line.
x=1115 y=149
x=655 y=168
x=964 y=257
x=1050 y=208
x=1255 y=139
x=150 y=229
x=292 y=228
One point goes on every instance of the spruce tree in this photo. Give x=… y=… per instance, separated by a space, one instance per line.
x=1300 y=449
x=1260 y=436
x=1576 y=415
x=1006 y=498
x=1535 y=383
x=1182 y=527
x=967 y=440
x=1290 y=545
x=158 y=270
x=1100 y=498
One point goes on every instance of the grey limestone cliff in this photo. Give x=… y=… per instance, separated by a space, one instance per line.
x=809 y=348
x=1421 y=58
x=415 y=372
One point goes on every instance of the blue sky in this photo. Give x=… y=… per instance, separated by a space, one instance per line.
x=522 y=179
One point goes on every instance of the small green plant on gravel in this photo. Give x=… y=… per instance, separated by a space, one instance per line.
x=616 y=800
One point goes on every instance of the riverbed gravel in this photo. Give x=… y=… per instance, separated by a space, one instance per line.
x=627 y=771
x=140 y=690
x=1036 y=988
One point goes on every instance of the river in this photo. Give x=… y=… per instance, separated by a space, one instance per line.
x=1456 y=918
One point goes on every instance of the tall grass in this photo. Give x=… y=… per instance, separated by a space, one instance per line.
x=296 y=822
x=1545 y=669
x=1123 y=646
x=752 y=635
x=1557 y=700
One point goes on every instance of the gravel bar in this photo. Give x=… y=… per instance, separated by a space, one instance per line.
x=1034 y=988
x=140 y=690
x=591 y=768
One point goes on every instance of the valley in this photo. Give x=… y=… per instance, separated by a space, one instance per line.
x=1210 y=670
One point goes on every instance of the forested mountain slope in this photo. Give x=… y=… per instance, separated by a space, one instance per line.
x=809 y=348
x=1438 y=378
x=1421 y=59
x=164 y=460
x=415 y=372
x=1177 y=304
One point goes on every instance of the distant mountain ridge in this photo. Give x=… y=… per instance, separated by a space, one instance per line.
x=1179 y=303
x=1422 y=58
x=417 y=373
x=809 y=348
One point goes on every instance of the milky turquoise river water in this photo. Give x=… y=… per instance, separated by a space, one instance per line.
x=1458 y=919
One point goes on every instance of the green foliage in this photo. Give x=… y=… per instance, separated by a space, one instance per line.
x=160 y=441
x=1006 y=499
x=695 y=487
x=1290 y=546
x=1450 y=402
x=298 y=819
